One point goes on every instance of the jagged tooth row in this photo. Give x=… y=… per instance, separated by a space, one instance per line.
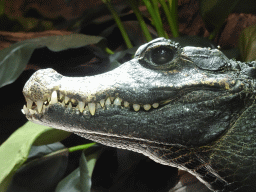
x=80 y=105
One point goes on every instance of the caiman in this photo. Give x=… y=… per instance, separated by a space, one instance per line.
x=190 y=108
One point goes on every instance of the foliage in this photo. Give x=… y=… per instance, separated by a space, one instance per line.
x=14 y=152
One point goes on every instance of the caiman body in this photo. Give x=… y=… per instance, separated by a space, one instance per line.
x=191 y=108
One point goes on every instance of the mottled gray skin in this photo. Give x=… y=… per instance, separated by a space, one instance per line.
x=207 y=127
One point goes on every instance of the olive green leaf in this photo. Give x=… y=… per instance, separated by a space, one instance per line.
x=71 y=183
x=14 y=59
x=41 y=169
x=15 y=150
x=80 y=179
x=247 y=43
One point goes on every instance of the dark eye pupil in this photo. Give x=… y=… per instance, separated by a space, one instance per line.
x=161 y=55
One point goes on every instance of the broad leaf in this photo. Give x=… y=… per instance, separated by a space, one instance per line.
x=247 y=43
x=71 y=183
x=43 y=173
x=80 y=179
x=87 y=163
x=14 y=59
x=15 y=150
x=121 y=57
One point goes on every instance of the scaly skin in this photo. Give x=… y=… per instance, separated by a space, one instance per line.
x=204 y=123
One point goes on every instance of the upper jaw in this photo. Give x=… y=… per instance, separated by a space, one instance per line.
x=47 y=87
x=87 y=94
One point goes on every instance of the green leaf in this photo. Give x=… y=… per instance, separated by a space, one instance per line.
x=214 y=13
x=247 y=44
x=118 y=23
x=14 y=59
x=48 y=169
x=87 y=163
x=80 y=179
x=71 y=183
x=134 y=5
x=51 y=136
x=120 y=57
x=89 y=157
x=171 y=15
x=15 y=150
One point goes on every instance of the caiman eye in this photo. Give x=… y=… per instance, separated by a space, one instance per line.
x=159 y=55
x=162 y=55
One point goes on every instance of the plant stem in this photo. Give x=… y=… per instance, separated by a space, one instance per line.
x=141 y=20
x=156 y=8
x=109 y=51
x=119 y=23
x=80 y=147
x=154 y=12
x=173 y=4
x=171 y=15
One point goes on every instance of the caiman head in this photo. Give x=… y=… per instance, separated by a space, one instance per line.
x=190 y=108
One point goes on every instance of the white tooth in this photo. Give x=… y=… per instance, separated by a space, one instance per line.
x=81 y=106
x=155 y=105
x=63 y=103
x=117 y=101
x=24 y=110
x=29 y=103
x=147 y=107
x=66 y=99
x=108 y=102
x=126 y=104
x=39 y=106
x=54 y=98
x=91 y=108
x=102 y=102
x=31 y=111
x=73 y=101
x=69 y=105
x=136 y=107
x=43 y=109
